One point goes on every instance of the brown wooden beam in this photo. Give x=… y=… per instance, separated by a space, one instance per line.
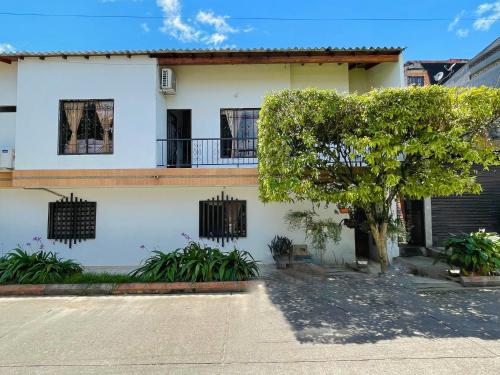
x=4 y=60
x=249 y=59
x=131 y=177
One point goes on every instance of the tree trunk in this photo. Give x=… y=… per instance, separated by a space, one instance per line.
x=379 y=232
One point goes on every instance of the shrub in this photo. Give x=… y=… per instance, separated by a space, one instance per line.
x=281 y=246
x=475 y=253
x=19 y=266
x=197 y=262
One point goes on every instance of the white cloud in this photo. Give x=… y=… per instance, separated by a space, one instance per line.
x=145 y=27
x=489 y=13
x=208 y=27
x=173 y=23
x=218 y=22
x=6 y=48
x=462 y=33
x=214 y=39
x=456 y=20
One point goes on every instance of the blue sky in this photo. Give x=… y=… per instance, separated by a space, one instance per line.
x=218 y=23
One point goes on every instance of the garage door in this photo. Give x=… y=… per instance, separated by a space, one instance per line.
x=468 y=213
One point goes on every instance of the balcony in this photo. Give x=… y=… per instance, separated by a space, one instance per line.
x=207 y=152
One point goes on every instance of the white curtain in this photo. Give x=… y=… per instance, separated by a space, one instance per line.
x=74 y=114
x=233 y=127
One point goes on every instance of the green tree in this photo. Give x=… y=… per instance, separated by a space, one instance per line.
x=367 y=150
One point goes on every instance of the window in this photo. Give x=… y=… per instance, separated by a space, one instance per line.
x=7 y=108
x=71 y=220
x=86 y=127
x=416 y=80
x=222 y=219
x=238 y=129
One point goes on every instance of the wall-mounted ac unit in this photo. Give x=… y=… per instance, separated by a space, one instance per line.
x=6 y=158
x=167 y=81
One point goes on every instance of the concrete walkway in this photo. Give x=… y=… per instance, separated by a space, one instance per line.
x=294 y=323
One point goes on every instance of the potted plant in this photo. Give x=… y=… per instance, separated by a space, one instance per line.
x=477 y=255
x=281 y=250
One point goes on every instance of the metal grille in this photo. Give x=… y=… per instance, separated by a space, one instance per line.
x=223 y=219
x=86 y=127
x=71 y=220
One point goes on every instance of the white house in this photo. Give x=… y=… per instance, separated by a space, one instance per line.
x=152 y=141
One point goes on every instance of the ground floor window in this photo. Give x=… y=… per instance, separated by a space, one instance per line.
x=71 y=220
x=222 y=219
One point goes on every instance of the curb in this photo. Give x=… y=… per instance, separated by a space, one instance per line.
x=124 y=288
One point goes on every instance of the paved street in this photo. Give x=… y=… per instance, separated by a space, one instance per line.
x=294 y=323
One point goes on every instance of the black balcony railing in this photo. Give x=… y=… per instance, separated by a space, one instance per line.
x=197 y=152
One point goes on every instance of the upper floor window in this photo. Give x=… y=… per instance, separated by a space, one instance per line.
x=238 y=129
x=86 y=126
x=416 y=80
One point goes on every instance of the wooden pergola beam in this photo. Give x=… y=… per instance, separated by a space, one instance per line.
x=270 y=59
x=4 y=60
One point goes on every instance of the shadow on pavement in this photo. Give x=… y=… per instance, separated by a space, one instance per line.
x=349 y=307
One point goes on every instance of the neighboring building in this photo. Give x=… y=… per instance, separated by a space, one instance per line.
x=431 y=72
x=469 y=213
x=482 y=70
x=156 y=144
x=431 y=221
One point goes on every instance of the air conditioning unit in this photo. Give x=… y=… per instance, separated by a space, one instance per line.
x=6 y=158
x=167 y=81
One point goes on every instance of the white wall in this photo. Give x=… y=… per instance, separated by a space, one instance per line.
x=387 y=74
x=42 y=83
x=379 y=76
x=207 y=89
x=7 y=129
x=8 y=96
x=324 y=76
x=8 y=77
x=129 y=218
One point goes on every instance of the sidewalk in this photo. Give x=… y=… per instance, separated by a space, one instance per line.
x=293 y=323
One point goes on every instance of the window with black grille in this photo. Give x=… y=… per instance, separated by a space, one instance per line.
x=86 y=127
x=238 y=128
x=71 y=220
x=222 y=219
x=416 y=80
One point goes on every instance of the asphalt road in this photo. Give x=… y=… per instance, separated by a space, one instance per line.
x=342 y=323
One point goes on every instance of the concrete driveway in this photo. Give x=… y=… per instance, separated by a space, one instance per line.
x=294 y=323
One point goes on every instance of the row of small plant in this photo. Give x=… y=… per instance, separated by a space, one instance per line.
x=194 y=263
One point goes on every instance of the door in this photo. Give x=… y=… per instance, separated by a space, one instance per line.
x=415 y=221
x=179 y=138
x=361 y=238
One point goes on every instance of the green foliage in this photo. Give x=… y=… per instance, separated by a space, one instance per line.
x=280 y=246
x=420 y=142
x=366 y=150
x=19 y=266
x=318 y=231
x=475 y=253
x=197 y=262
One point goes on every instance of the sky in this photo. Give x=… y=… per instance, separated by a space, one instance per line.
x=458 y=29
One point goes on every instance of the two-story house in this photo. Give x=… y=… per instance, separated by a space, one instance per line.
x=119 y=150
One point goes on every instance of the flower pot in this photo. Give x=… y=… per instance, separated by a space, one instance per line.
x=480 y=280
x=283 y=262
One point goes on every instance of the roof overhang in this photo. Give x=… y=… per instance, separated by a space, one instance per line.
x=355 y=57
